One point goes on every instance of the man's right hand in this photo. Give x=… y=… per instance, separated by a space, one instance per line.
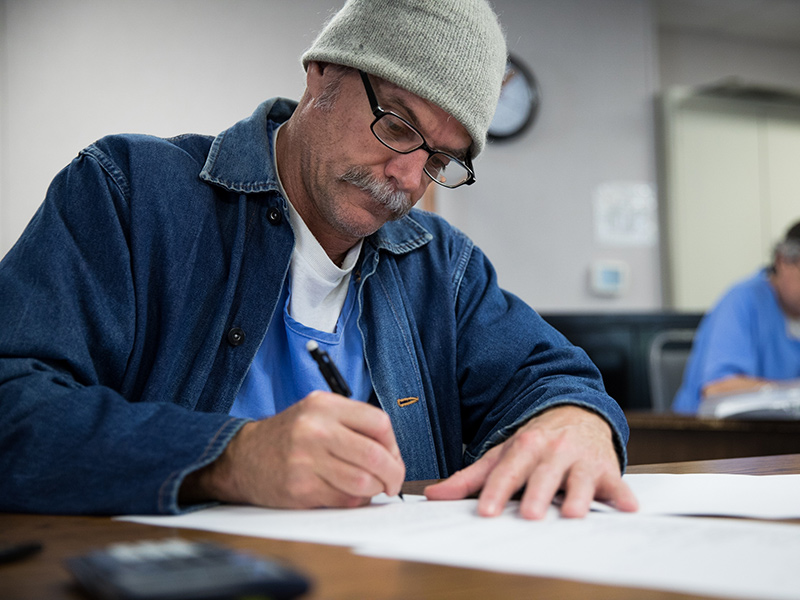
x=326 y=450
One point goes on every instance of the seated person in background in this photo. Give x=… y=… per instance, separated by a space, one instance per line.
x=751 y=338
x=155 y=313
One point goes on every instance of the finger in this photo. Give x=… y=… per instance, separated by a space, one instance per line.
x=582 y=488
x=350 y=480
x=362 y=461
x=327 y=434
x=358 y=434
x=326 y=495
x=519 y=458
x=306 y=488
x=579 y=493
x=366 y=419
x=462 y=484
x=466 y=482
x=620 y=496
x=541 y=488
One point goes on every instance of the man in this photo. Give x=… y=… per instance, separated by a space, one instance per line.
x=156 y=310
x=751 y=338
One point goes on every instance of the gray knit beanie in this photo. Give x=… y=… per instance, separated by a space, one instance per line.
x=449 y=52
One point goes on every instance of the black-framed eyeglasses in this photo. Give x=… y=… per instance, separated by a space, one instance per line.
x=394 y=132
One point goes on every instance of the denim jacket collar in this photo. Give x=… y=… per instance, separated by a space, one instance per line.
x=241 y=157
x=241 y=160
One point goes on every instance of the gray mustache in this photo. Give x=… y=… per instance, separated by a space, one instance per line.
x=399 y=203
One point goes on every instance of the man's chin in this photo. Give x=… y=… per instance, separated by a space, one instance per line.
x=396 y=216
x=363 y=223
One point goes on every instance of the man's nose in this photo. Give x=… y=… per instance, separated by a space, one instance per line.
x=408 y=169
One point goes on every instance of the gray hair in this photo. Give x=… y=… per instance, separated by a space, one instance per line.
x=326 y=101
x=788 y=250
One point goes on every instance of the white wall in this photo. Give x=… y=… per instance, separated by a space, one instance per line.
x=78 y=69
x=689 y=58
x=3 y=116
x=3 y=113
x=761 y=179
x=531 y=210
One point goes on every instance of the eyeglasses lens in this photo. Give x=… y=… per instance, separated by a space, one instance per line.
x=398 y=135
x=395 y=133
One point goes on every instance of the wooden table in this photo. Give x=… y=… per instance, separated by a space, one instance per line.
x=666 y=437
x=337 y=573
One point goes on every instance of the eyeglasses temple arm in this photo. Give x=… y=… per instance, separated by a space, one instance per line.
x=373 y=99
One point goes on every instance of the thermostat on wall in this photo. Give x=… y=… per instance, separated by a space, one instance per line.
x=608 y=277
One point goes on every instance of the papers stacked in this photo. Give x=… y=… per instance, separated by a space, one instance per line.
x=652 y=548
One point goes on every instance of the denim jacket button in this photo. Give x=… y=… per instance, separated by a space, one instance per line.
x=274 y=216
x=236 y=336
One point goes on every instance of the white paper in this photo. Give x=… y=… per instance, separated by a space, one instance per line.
x=716 y=494
x=339 y=527
x=717 y=557
x=722 y=557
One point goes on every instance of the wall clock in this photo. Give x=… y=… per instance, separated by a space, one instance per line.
x=518 y=104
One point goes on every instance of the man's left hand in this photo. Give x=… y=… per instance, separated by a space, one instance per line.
x=564 y=448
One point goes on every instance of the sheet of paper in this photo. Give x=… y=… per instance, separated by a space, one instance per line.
x=722 y=557
x=340 y=527
x=692 y=555
x=717 y=494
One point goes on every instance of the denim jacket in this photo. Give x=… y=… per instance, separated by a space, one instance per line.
x=137 y=297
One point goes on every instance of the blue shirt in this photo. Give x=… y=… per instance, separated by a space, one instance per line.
x=745 y=334
x=283 y=372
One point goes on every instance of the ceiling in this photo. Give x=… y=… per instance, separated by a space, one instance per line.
x=776 y=21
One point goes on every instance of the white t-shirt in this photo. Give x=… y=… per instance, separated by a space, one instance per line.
x=319 y=287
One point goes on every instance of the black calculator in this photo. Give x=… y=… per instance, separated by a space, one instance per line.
x=177 y=569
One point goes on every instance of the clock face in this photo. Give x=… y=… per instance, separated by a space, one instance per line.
x=518 y=104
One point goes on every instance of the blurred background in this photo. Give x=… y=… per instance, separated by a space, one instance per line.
x=663 y=163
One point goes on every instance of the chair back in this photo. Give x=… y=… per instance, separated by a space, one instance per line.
x=669 y=353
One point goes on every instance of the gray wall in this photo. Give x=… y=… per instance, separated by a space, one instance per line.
x=689 y=58
x=74 y=70
x=532 y=209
